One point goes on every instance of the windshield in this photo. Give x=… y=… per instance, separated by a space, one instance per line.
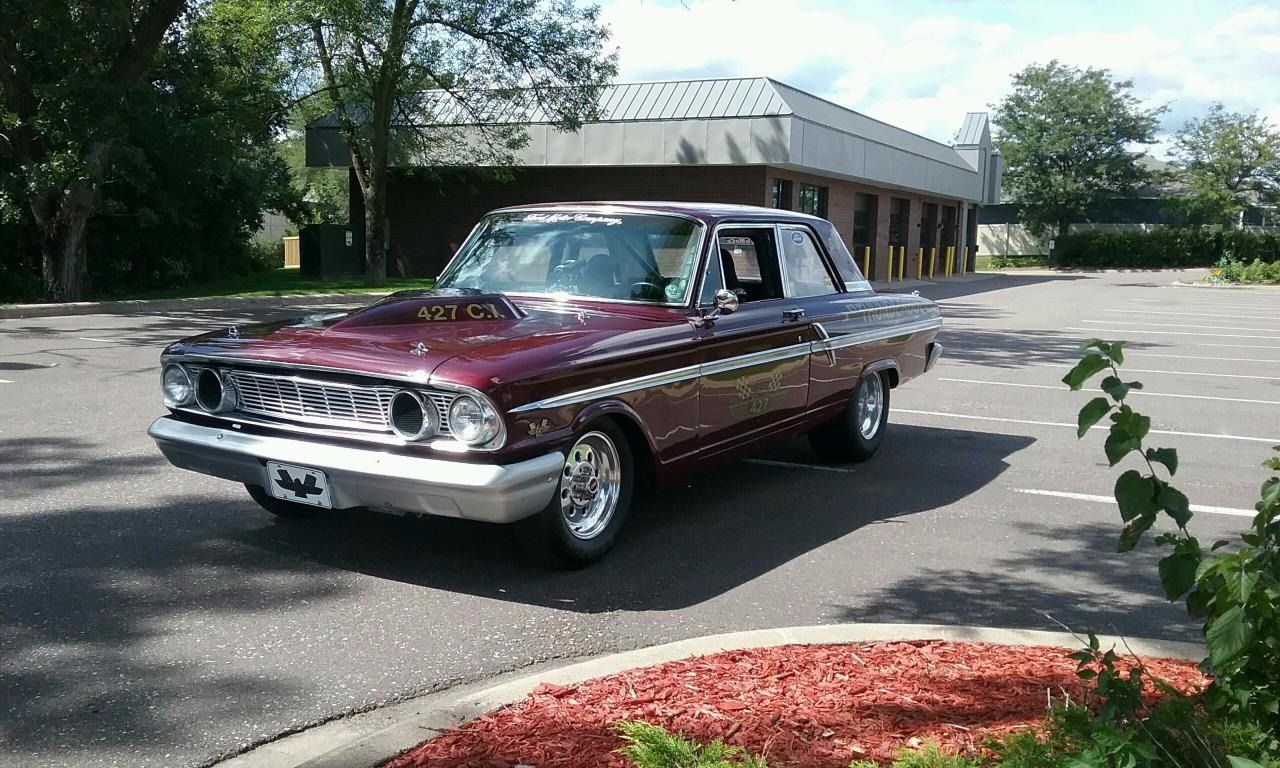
x=634 y=257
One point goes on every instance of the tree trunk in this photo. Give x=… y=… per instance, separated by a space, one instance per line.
x=375 y=233
x=64 y=262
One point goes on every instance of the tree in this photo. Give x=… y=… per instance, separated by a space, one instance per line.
x=68 y=70
x=1066 y=135
x=395 y=75
x=1230 y=161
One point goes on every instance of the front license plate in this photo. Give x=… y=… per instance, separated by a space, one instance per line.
x=298 y=484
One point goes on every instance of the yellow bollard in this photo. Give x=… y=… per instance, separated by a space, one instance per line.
x=919 y=263
x=964 y=260
x=866 y=263
x=933 y=261
x=950 y=256
x=902 y=260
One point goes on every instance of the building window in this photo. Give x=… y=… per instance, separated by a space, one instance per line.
x=864 y=220
x=781 y=194
x=813 y=200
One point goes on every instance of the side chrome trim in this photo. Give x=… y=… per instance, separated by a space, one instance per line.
x=728 y=364
x=877 y=334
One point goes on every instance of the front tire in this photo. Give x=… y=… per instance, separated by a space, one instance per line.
x=583 y=518
x=289 y=510
x=856 y=435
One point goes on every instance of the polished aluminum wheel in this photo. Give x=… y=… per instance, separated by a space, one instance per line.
x=590 y=485
x=870 y=406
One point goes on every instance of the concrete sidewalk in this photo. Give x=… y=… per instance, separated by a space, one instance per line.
x=369 y=739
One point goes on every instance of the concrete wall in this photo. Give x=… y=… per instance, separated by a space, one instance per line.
x=1015 y=240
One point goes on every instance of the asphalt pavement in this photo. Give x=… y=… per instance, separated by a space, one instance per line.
x=154 y=617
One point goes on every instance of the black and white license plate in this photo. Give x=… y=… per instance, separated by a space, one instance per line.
x=298 y=484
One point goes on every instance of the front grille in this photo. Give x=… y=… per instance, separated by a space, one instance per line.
x=325 y=403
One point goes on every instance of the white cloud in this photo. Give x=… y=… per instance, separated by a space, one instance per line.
x=926 y=72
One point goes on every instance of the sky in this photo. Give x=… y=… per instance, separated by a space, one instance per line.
x=921 y=64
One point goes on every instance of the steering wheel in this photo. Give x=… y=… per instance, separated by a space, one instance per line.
x=643 y=287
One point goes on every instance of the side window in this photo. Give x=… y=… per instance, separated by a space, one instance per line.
x=805 y=271
x=749 y=261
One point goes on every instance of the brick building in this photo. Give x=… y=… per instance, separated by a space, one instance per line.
x=746 y=140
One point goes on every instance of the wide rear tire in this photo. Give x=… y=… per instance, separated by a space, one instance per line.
x=581 y=523
x=857 y=433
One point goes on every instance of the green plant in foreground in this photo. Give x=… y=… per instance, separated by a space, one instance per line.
x=1235 y=592
x=928 y=756
x=651 y=746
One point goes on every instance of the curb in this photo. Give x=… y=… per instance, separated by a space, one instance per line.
x=19 y=311
x=369 y=739
x=1227 y=286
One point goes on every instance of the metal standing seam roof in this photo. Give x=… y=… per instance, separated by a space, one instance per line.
x=739 y=97
x=974 y=130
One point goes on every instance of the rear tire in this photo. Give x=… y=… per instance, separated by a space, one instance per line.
x=581 y=522
x=289 y=510
x=857 y=433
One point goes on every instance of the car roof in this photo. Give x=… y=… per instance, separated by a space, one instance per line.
x=706 y=211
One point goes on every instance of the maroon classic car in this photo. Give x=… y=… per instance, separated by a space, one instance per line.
x=569 y=356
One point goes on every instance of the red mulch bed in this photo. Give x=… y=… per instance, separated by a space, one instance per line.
x=816 y=706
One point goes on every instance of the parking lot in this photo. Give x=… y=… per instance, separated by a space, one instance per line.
x=153 y=617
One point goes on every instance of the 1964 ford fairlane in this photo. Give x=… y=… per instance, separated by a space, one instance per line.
x=570 y=355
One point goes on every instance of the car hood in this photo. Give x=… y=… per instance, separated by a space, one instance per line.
x=411 y=336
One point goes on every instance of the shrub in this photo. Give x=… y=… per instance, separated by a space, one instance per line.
x=1162 y=248
x=651 y=746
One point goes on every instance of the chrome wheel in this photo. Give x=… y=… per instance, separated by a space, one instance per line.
x=590 y=485
x=870 y=405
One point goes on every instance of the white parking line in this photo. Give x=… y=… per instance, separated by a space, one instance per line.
x=1176 y=333
x=1127 y=369
x=1032 y=422
x=1206 y=305
x=1233 y=511
x=101 y=341
x=1140 y=353
x=1193 y=314
x=5 y=381
x=1142 y=392
x=1183 y=325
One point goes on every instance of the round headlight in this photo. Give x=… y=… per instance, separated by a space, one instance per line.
x=212 y=393
x=412 y=416
x=472 y=421
x=175 y=382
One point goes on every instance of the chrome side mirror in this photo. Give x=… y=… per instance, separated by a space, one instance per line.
x=726 y=302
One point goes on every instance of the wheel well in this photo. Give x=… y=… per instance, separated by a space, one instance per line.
x=891 y=376
x=639 y=448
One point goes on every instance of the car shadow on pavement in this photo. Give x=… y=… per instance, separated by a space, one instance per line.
x=1017 y=348
x=87 y=587
x=1073 y=577
x=681 y=547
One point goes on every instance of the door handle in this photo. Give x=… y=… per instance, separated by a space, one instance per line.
x=792 y=315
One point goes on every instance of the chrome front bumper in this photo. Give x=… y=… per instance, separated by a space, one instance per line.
x=362 y=477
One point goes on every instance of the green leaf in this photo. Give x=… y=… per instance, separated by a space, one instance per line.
x=1243 y=762
x=1174 y=502
x=1219 y=544
x=1095 y=343
x=1132 y=422
x=1178 y=573
x=1132 y=532
x=1166 y=456
x=1120 y=443
x=1091 y=414
x=1271 y=491
x=1117 y=389
x=1089 y=366
x=1136 y=495
x=1116 y=353
x=1227 y=635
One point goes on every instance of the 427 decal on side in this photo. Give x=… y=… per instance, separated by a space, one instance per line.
x=437 y=312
